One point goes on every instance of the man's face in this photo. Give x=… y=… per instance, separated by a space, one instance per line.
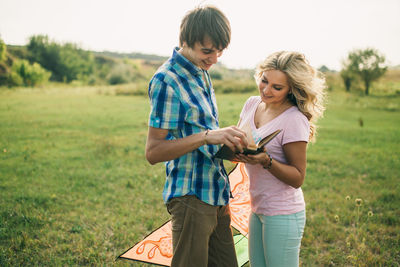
x=202 y=55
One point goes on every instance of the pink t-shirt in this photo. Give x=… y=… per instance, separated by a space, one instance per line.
x=269 y=196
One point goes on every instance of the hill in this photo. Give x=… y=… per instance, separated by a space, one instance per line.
x=150 y=57
x=110 y=68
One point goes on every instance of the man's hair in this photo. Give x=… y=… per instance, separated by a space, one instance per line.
x=205 y=21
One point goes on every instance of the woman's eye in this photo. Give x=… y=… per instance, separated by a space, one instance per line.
x=264 y=81
x=278 y=88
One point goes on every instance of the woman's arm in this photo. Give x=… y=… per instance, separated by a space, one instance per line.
x=292 y=173
x=158 y=149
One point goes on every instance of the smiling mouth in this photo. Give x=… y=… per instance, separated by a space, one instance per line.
x=266 y=96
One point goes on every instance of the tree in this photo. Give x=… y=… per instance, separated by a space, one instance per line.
x=368 y=64
x=347 y=75
x=4 y=66
x=324 y=69
x=67 y=62
x=3 y=50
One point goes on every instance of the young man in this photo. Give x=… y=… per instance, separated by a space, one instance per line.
x=184 y=132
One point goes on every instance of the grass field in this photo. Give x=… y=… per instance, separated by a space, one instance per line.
x=76 y=189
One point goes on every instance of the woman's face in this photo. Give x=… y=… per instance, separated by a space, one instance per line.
x=274 y=87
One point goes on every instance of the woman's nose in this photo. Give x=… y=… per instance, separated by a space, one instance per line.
x=265 y=88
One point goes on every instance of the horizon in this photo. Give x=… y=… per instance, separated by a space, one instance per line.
x=324 y=31
x=166 y=57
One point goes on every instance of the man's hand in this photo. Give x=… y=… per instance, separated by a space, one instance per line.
x=231 y=136
x=159 y=149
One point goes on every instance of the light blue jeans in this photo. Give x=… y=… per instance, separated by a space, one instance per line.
x=274 y=241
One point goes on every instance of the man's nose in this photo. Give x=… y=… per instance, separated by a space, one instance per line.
x=214 y=58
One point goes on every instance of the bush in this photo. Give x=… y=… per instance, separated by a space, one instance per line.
x=117 y=78
x=125 y=72
x=216 y=75
x=25 y=74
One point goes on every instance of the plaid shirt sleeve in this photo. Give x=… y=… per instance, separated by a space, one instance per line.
x=166 y=108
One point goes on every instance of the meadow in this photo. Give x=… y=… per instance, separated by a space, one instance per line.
x=76 y=189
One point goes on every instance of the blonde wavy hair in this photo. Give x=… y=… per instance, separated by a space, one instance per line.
x=307 y=85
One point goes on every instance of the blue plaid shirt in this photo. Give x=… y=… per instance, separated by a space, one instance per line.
x=183 y=103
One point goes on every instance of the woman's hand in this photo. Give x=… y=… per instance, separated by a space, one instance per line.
x=260 y=158
x=291 y=173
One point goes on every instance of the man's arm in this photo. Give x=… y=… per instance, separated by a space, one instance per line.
x=158 y=149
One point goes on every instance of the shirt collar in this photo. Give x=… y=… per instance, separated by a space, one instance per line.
x=185 y=63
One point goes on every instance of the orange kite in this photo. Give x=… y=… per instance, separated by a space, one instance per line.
x=156 y=248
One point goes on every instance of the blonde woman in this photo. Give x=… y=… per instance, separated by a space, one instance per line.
x=291 y=100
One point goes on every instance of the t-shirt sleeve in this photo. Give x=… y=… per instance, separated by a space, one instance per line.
x=297 y=128
x=166 y=108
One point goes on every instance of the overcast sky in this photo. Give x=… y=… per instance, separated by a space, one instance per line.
x=325 y=31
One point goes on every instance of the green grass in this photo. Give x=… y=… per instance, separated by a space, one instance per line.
x=76 y=189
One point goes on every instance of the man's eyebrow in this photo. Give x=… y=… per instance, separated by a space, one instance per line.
x=211 y=49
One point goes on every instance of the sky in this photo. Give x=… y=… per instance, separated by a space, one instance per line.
x=324 y=30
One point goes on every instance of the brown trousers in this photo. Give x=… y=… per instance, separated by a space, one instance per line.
x=201 y=234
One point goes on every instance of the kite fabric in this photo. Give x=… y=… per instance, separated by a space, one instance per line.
x=156 y=248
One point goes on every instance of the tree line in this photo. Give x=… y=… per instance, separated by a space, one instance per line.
x=43 y=59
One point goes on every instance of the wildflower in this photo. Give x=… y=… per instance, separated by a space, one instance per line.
x=358 y=202
x=5 y=150
x=347 y=197
x=370 y=213
x=337 y=218
x=348 y=244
